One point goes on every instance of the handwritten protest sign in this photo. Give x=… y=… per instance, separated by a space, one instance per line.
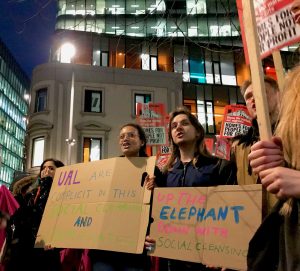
x=90 y=202
x=211 y=225
x=236 y=121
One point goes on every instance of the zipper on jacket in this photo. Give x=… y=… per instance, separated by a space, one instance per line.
x=182 y=179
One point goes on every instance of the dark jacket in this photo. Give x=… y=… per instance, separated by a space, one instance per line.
x=208 y=171
x=22 y=231
x=276 y=245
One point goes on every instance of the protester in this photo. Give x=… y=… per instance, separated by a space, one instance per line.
x=276 y=244
x=24 y=224
x=132 y=141
x=241 y=144
x=191 y=165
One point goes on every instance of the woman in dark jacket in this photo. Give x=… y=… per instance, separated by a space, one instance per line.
x=190 y=165
x=24 y=225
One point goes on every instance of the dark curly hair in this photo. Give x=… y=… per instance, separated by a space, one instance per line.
x=142 y=136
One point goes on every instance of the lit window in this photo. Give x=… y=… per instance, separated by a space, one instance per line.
x=100 y=58
x=38 y=145
x=145 y=61
x=141 y=98
x=92 y=148
x=93 y=101
x=153 y=63
x=41 y=100
x=104 y=59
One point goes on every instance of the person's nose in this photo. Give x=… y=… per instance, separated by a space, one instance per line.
x=179 y=126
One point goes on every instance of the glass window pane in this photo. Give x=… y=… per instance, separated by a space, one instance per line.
x=38 y=151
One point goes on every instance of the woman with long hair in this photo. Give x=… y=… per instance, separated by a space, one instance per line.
x=276 y=244
x=24 y=224
x=191 y=165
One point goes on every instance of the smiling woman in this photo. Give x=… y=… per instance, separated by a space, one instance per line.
x=132 y=142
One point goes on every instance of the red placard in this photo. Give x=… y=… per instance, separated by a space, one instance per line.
x=276 y=25
x=236 y=121
x=153 y=119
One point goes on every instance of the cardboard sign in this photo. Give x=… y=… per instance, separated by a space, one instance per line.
x=210 y=225
x=276 y=25
x=153 y=119
x=236 y=121
x=98 y=205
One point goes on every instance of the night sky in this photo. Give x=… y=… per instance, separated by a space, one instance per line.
x=26 y=27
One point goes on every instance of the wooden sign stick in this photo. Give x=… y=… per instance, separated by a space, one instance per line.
x=257 y=76
x=279 y=68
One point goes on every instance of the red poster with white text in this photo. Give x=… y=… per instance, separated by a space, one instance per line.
x=236 y=121
x=152 y=117
x=277 y=24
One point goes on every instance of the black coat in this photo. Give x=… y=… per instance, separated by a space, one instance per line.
x=22 y=231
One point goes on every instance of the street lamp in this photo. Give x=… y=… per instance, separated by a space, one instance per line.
x=67 y=53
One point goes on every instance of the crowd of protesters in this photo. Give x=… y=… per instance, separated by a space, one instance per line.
x=275 y=164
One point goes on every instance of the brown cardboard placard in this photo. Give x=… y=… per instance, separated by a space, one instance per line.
x=98 y=205
x=211 y=225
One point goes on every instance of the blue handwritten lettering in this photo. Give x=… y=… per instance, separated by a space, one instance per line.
x=236 y=210
x=83 y=221
x=163 y=213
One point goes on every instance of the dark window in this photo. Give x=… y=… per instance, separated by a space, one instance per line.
x=93 y=101
x=41 y=100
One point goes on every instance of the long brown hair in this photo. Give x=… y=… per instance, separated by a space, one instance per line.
x=288 y=128
x=200 y=148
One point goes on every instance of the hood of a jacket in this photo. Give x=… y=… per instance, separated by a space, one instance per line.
x=20 y=185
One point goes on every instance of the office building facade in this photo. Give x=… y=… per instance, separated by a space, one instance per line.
x=199 y=39
x=14 y=99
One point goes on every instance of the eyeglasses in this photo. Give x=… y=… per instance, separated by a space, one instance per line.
x=129 y=135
